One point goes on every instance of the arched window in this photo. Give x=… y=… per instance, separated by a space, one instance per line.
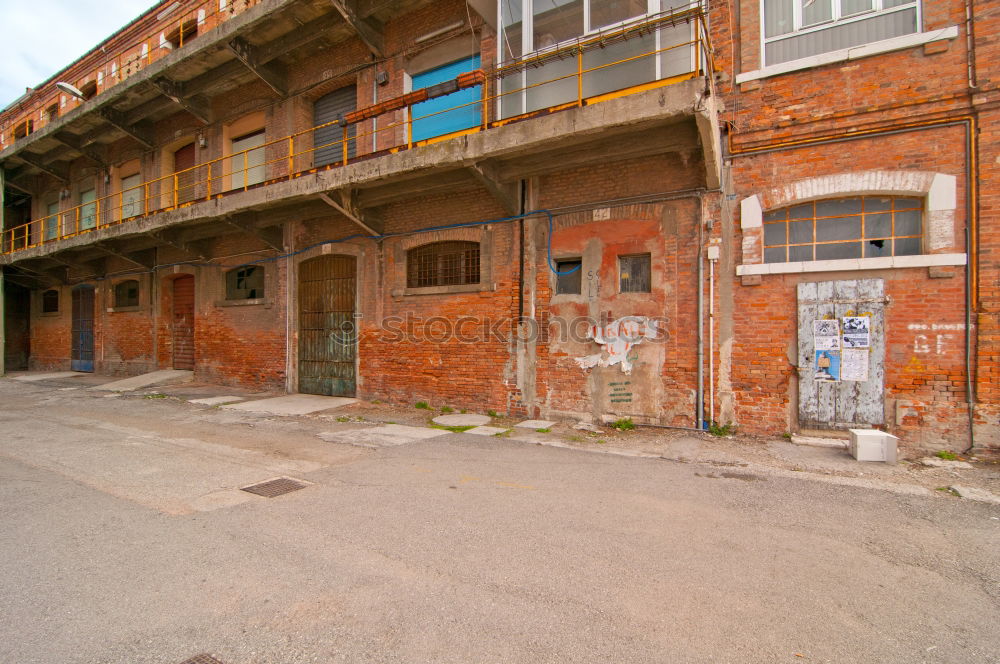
x=50 y=301
x=442 y=264
x=857 y=227
x=127 y=293
x=245 y=283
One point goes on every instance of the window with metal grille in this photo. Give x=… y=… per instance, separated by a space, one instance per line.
x=127 y=294
x=634 y=273
x=568 y=284
x=245 y=283
x=858 y=227
x=443 y=264
x=50 y=302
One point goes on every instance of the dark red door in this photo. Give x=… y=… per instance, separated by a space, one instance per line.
x=184 y=161
x=183 y=323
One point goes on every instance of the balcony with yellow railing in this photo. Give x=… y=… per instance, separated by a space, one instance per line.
x=99 y=71
x=610 y=66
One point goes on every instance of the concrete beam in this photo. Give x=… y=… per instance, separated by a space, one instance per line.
x=367 y=29
x=183 y=247
x=131 y=258
x=306 y=34
x=76 y=144
x=273 y=238
x=248 y=54
x=58 y=173
x=348 y=206
x=505 y=194
x=174 y=91
x=117 y=120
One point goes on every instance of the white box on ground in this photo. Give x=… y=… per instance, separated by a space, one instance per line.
x=873 y=445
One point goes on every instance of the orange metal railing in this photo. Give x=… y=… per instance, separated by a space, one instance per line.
x=286 y=158
x=184 y=25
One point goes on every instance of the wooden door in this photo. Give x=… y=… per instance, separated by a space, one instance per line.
x=82 y=329
x=327 y=335
x=182 y=324
x=826 y=400
x=184 y=161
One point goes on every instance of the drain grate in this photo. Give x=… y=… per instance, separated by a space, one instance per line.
x=277 y=487
x=203 y=658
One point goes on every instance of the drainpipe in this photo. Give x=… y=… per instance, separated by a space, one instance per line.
x=699 y=422
x=713 y=255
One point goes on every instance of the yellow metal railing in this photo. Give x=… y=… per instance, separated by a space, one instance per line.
x=184 y=24
x=285 y=158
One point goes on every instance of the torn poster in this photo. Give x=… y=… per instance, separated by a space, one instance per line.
x=827 y=365
x=826 y=334
x=854 y=364
x=618 y=338
x=857 y=332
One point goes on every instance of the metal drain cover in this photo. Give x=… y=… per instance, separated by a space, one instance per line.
x=276 y=487
x=203 y=658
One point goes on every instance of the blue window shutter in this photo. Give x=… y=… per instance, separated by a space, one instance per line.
x=439 y=123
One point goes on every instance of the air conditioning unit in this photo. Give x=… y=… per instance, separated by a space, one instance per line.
x=873 y=445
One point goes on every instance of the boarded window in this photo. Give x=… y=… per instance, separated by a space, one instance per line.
x=127 y=294
x=245 y=283
x=443 y=264
x=568 y=279
x=50 y=302
x=634 y=273
x=858 y=227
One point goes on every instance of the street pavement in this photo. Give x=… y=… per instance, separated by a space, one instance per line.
x=127 y=540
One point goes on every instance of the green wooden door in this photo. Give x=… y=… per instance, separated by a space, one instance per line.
x=327 y=334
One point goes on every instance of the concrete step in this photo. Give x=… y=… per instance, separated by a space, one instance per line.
x=819 y=441
x=151 y=379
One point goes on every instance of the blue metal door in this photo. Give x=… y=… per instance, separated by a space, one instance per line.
x=82 y=329
x=432 y=118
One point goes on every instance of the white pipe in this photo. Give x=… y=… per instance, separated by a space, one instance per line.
x=711 y=336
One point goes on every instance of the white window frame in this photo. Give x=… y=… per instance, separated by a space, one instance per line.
x=837 y=20
x=653 y=7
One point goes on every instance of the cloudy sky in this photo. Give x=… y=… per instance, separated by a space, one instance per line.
x=40 y=37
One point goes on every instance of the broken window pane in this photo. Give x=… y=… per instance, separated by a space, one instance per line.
x=127 y=294
x=245 y=283
x=816 y=11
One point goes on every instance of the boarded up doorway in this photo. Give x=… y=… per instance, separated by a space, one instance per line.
x=182 y=322
x=17 y=326
x=82 y=329
x=826 y=399
x=327 y=335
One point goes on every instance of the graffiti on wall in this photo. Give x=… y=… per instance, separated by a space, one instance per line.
x=618 y=338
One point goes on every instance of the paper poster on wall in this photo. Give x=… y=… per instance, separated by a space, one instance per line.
x=826 y=334
x=827 y=365
x=854 y=364
x=857 y=332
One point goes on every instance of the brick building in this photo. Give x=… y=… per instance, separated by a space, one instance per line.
x=775 y=214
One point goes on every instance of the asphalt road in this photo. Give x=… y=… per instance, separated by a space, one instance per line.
x=125 y=541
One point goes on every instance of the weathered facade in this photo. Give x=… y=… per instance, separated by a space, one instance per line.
x=449 y=201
